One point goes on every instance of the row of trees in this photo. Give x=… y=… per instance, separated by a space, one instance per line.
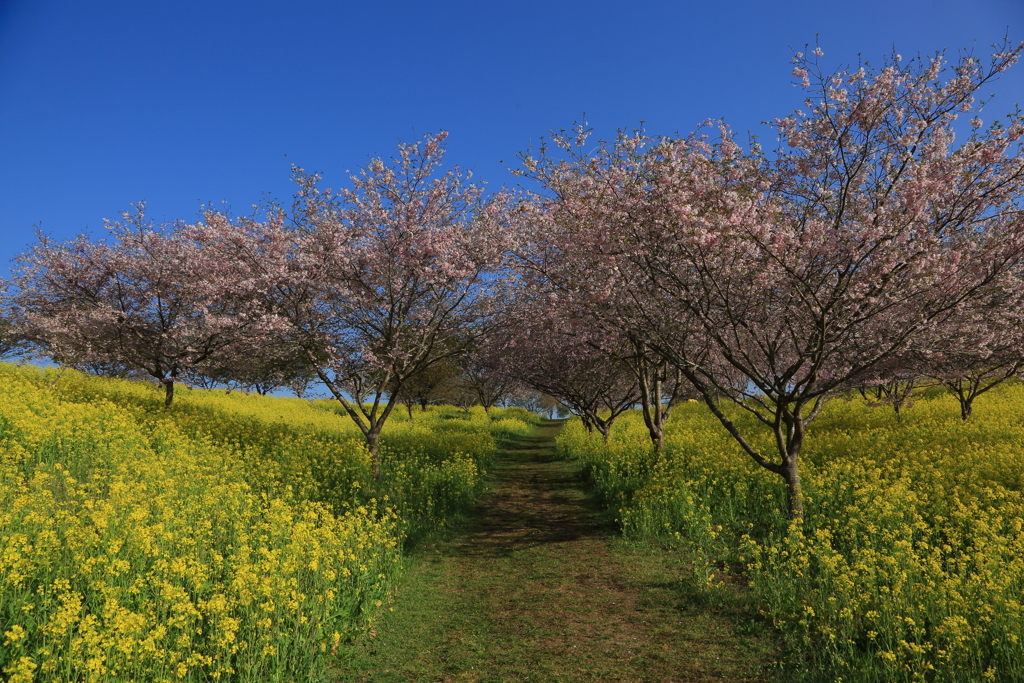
x=866 y=251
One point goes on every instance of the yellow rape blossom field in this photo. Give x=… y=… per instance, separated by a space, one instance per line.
x=233 y=537
x=910 y=563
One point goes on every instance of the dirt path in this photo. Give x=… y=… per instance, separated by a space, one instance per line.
x=533 y=587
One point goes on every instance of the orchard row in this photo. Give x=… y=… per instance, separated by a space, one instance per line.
x=869 y=250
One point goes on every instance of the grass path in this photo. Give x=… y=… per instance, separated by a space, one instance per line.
x=533 y=587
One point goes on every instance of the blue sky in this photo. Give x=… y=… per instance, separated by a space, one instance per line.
x=103 y=104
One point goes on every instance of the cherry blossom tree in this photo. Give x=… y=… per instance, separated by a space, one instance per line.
x=141 y=302
x=895 y=383
x=995 y=327
x=483 y=377
x=856 y=245
x=378 y=282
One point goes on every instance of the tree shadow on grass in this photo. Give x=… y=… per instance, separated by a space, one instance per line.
x=535 y=499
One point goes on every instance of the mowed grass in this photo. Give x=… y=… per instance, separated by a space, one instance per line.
x=536 y=585
x=910 y=563
x=231 y=538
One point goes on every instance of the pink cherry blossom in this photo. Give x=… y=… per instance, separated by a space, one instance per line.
x=781 y=281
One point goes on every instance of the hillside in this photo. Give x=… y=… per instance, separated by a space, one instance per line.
x=231 y=537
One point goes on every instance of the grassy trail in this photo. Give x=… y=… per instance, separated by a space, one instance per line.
x=533 y=587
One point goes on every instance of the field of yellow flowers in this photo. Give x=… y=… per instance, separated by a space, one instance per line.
x=233 y=537
x=910 y=563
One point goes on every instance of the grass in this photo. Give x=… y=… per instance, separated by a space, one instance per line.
x=535 y=585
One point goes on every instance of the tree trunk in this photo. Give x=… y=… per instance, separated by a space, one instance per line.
x=650 y=380
x=373 y=444
x=658 y=439
x=794 y=491
x=790 y=443
x=650 y=402
x=168 y=391
x=965 y=392
x=789 y=437
x=408 y=407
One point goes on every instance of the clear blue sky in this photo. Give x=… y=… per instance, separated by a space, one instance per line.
x=105 y=103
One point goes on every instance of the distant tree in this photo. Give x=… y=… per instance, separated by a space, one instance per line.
x=486 y=388
x=661 y=385
x=485 y=375
x=994 y=355
x=107 y=369
x=546 y=346
x=264 y=369
x=430 y=385
x=550 y=406
x=539 y=403
x=894 y=384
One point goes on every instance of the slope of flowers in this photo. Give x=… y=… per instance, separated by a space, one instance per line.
x=231 y=538
x=910 y=564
